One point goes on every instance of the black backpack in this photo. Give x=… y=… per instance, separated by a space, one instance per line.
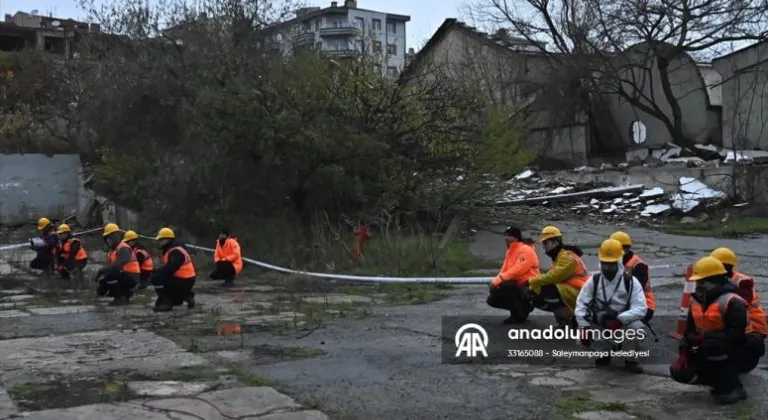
x=593 y=309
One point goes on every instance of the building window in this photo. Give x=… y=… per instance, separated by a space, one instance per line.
x=392 y=71
x=360 y=23
x=391 y=28
x=339 y=24
x=391 y=49
x=377 y=24
x=317 y=25
x=377 y=46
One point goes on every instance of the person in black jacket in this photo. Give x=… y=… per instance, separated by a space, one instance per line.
x=45 y=247
x=715 y=348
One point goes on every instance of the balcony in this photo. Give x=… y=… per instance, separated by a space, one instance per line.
x=341 y=52
x=339 y=29
x=304 y=40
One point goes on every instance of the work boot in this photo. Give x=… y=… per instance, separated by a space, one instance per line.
x=563 y=316
x=120 y=301
x=143 y=285
x=731 y=397
x=190 y=302
x=633 y=367
x=602 y=362
x=228 y=283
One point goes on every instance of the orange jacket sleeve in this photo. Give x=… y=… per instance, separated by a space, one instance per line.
x=218 y=254
x=524 y=261
x=234 y=251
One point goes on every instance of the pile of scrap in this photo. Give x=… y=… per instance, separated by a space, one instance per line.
x=700 y=155
x=610 y=201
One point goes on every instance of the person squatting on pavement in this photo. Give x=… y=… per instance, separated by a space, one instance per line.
x=719 y=342
x=146 y=266
x=639 y=270
x=612 y=300
x=175 y=280
x=556 y=290
x=509 y=290
x=45 y=247
x=72 y=256
x=745 y=287
x=228 y=259
x=120 y=277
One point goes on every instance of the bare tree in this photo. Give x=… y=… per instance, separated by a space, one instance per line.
x=589 y=36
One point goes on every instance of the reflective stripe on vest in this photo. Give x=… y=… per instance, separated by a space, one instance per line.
x=132 y=266
x=712 y=320
x=67 y=245
x=650 y=299
x=581 y=275
x=187 y=269
x=756 y=312
x=147 y=264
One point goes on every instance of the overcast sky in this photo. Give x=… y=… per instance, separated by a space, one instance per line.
x=426 y=15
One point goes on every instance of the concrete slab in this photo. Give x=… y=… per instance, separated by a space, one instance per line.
x=5 y=269
x=620 y=395
x=12 y=314
x=69 y=301
x=281 y=317
x=261 y=289
x=9 y=305
x=167 y=388
x=296 y=415
x=98 y=412
x=91 y=353
x=604 y=415
x=337 y=299
x=61 y=310
x=234 y=355
x=39 y=325
x=13 y=292
x=548 y=381
x=234 y=403
x=18 y=298
x=7 y=406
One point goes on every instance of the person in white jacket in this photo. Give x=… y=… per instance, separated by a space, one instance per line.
x=610 y=308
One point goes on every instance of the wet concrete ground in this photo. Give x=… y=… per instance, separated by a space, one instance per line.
x=350 y=352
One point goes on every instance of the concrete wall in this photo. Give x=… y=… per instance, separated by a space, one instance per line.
x=33 y=186
x=642 y=78
x=745 y=97
x=507 y=78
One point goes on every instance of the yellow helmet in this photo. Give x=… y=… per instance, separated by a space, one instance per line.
x=43 y=223
x=130 y=235
x=165 y=233
x=725 y=256
x=707 y=267
x=63 y=229
x=550 y=232
x=110 y=229
x=610 y=251
x=622 y=237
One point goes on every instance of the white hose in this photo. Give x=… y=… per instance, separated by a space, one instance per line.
x=373 y=279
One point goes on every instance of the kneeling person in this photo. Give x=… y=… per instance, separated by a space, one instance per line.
x=714 y=349
x=612 y=300
x=120 y=277
x=175 y=280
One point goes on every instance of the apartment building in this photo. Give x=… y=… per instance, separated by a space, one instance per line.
x=344 y=30
x=44 y=33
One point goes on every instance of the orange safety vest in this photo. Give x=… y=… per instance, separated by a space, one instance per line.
x=132 y=266
x=229 y=252
x=711 y=320
x=649 y=297
x=67 y=245
x=147 y=264
x=581 y=275
x=187 y=269
x=756 y=312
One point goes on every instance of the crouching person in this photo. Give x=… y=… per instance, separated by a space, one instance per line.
x=120 y=277
x=175 y=280
x=44 y=246
x=717 y=344
x=228 y=259
x=72 y=256
x=142 y=256
x=556 y=290
x=612 y=300
x=509 y=290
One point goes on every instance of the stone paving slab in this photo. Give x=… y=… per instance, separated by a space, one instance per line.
x=61 y=310
x=167 y=388
x=253 y=402
x=90 y=353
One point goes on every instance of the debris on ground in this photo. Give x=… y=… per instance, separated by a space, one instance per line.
x=632 y=202
x=700 y=155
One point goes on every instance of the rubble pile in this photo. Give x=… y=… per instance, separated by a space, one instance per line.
x=701 y=155
x=609 y=201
